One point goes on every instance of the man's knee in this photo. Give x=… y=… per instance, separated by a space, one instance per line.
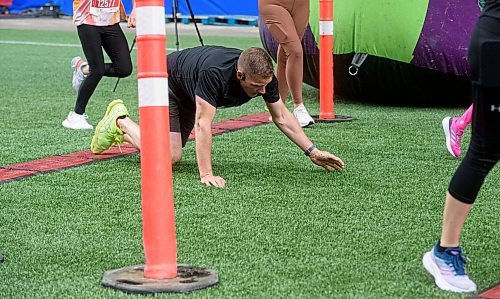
x=176 y=156
x=175 y=147
x=175 y=153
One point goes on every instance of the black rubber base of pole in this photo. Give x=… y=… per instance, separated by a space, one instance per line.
x=1 y=257
x=131 y=280
x=338 y=118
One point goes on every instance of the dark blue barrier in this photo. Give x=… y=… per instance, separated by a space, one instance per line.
x=20 y=5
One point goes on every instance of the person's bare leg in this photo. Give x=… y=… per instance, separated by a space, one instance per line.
x=281 y=74
x=454 y=216
x=131 y=130
x=295 y=61
x=294 y=70
x=128 y=139
x=447 y=265
x=287 y=25
x=175 y=147
x=86 y=70
x=132 y=135
x=84 y=66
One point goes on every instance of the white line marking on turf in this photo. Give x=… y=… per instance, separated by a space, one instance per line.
x=14 y=42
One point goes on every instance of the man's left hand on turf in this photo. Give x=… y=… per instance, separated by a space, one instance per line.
x=326 y=160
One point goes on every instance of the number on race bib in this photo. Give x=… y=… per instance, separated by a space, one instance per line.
x=104 y=6
x=104 y=3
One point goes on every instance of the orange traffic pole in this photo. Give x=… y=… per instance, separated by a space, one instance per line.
x=160 y=247
x=161 y=272
x=326 y=88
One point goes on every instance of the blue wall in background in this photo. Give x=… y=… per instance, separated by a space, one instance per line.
x=19 y=5
x=199 y=7
x=216 y=7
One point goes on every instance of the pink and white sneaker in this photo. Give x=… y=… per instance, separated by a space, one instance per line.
x=77 y=63
x=453 y=135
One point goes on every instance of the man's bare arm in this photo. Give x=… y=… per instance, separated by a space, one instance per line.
x=205 y=114
x=288 y=124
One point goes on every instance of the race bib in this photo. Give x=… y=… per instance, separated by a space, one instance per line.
x=98 y=7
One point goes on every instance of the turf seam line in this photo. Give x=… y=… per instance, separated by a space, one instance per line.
x=18 y=171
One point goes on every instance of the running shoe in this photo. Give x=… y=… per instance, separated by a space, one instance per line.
x=77 y=64
x=448 y=269
x=77 y=122
x=107 y=132
x=303 y=116
x=453 y=135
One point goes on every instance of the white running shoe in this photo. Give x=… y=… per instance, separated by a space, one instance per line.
x=77 y=64
x=448 y=269
x=303 y=116
x=77 y=122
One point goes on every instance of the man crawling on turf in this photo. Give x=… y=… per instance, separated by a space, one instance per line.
x=201 y=80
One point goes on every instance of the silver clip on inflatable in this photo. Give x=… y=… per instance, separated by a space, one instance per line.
x=356 y=62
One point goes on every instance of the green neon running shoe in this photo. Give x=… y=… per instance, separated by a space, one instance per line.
x=107 y=133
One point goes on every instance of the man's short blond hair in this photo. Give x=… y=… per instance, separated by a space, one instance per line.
x=255 y=62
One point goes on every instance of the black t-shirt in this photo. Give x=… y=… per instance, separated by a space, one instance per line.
x=210 y=73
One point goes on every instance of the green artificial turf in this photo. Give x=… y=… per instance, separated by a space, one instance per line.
x=282 y=228
x=37 y=92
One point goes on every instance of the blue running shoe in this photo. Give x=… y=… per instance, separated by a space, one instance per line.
x=448 y=269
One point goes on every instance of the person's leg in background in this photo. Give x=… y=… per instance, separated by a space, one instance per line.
x=115 y=44
x=88 y=75
x=90 y=38
x=446 y=261
x=287 y=21
x=294 y=73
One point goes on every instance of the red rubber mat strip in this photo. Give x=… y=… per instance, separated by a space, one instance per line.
x=491 y=293
x=18 y=171
x=7 y=175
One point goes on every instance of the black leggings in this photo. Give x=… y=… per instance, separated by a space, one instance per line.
x=484 y=148
x=94 y=39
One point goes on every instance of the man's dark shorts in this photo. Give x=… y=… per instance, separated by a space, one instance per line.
x=181 y=118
